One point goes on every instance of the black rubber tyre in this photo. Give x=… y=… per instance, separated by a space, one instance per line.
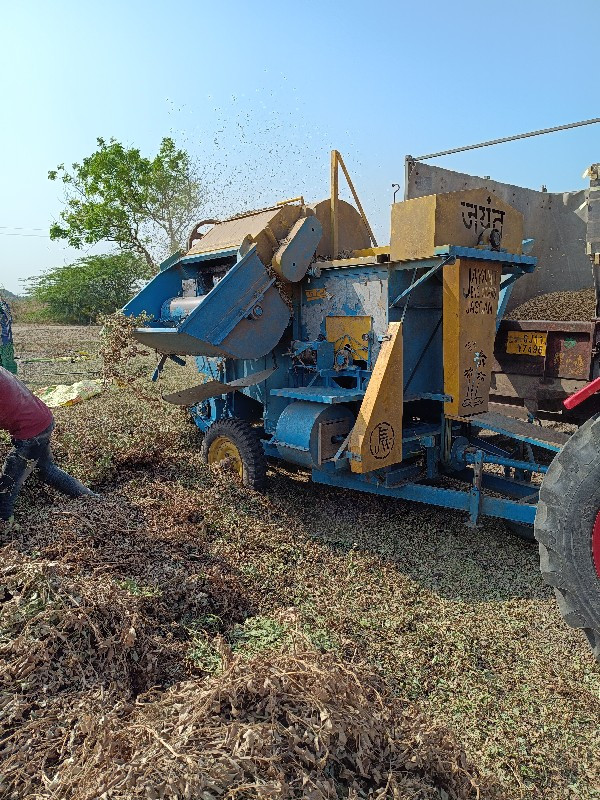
x=564 y=524
x=245 y=439
x=522 y=530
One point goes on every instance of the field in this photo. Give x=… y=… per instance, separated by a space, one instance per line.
x=177 y=574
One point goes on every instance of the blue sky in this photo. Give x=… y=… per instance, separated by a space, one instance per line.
x=261 y=91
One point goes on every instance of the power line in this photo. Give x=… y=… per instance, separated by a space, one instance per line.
x=35 y=235
x=505 y=139
x=21 y=228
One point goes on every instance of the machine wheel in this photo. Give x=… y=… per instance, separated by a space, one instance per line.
x=567 y=527
x=235 y=441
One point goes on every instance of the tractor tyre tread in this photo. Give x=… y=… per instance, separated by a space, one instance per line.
x=569 y=502
x=247 y=442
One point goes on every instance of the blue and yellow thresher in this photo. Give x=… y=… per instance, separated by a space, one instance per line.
x=369 y=366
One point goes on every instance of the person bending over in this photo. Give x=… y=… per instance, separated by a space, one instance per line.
x=30 y=424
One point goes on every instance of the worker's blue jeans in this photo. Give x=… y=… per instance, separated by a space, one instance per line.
x=26 y=456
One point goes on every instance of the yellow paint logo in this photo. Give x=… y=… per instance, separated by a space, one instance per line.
x=316 y=294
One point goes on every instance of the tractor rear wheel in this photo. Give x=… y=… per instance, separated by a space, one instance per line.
x=235 y=442
x=567 y=527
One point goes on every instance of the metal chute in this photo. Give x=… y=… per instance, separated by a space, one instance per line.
x=226 y=296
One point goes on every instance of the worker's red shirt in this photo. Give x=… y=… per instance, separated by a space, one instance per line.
x=22 y=414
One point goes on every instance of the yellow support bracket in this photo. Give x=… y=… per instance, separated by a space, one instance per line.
x=337 y=160
x=376 y=438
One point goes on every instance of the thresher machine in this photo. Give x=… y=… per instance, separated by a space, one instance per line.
x=370 y=366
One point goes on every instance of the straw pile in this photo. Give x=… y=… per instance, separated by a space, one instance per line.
x=99 y=698
x=131 y=664
x=294 y=726
x=77 y=651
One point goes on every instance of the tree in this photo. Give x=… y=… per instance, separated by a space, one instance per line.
x=78 y=293
x=145 y=206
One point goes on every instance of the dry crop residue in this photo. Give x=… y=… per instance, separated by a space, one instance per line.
x=135 y=662
x=181 y=586
x=95 y=701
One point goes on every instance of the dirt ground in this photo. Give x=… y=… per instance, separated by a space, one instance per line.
x=457 y=622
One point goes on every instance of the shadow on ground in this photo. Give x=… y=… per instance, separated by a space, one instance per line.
x=433 y=546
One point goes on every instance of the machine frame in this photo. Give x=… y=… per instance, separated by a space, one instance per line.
x=448 y=447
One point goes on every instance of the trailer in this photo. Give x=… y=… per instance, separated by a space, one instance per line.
x=540 y=360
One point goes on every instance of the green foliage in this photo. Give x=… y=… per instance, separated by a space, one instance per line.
x=26 y=309
x=138 y=589
x=205 y=656
x=9 y=296
x=143 y=205
x=257 y=634
x=205 y=623
x=78 y=293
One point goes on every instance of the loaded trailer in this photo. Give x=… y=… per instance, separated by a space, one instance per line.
x=538 y=364
x=548 y=342
x=368 y=366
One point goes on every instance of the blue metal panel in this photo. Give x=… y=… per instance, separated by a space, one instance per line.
x=350 y=291
x=242 y=290
x=425 y=277
x=171 y=261
x=483 y=421
x=506 y=286
x=432 y=495
x=320 y=394
x=150 y=299
x=243 y=316
x=299 y=252
x=421 y=312
x=528 y=263
x=298 y=430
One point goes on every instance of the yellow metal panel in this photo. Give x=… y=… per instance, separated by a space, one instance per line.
x=469 y=326
x=349 y=332
x=526 y=343
x=352 y=231
x=424 y=223
x=376 y=438
x=334 y=203
x=413 y=228
x=232 y=232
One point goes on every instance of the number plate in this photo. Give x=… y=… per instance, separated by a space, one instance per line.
x=526 y=343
